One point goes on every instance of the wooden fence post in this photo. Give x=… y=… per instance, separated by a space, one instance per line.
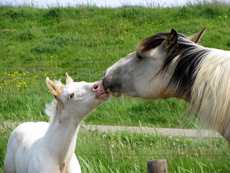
x=157 y=166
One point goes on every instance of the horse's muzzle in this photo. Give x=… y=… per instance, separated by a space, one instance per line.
x=112 y=85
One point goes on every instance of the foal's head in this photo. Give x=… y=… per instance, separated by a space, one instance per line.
x=148 y=71
x=76 y=98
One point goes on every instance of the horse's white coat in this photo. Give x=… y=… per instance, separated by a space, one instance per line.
x=211 y=91
x=208 y=93
x=49 y=147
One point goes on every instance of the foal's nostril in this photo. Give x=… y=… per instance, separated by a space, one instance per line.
x=98 y=86
x=95 y=87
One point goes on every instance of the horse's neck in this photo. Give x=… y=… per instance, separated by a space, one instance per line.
x=60 y=138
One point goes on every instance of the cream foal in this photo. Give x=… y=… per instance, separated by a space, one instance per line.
x=49 y=147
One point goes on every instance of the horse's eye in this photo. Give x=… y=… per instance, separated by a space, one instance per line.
x=139 y=56
x=71 y=96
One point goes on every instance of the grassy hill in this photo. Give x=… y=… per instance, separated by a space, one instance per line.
x=84 y=41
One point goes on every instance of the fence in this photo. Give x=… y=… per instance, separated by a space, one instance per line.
x=23 y=78
x=157 y=166
x=29 y=76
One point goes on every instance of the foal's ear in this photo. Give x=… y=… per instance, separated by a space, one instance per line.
x=196 y=37
x=68 y=79
x=53 y=88
x=171 y=40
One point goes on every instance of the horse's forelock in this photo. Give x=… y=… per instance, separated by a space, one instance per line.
x=154 y=41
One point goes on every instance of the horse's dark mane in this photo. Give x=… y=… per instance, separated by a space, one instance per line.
x=186 y=67
x=185 y=54
x=155 y=40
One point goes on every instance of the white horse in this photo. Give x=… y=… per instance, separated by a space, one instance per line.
x=49 y=147
x=173 y=65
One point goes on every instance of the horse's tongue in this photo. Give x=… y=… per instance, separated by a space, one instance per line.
x=116 y=94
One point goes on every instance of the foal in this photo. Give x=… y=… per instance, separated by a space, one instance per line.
x=49 y=147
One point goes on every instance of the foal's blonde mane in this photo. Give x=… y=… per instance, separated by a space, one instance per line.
x=210 y=94
x=51 y=108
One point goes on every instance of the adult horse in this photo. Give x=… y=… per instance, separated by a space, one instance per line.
x=172 y=65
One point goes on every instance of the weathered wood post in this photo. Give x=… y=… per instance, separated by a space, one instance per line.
x=157 y=166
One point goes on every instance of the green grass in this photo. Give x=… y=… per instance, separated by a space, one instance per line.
x=124 y=151
x=84 y=41
x=127 y=152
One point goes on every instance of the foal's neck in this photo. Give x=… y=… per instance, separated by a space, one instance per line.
x=61 y=137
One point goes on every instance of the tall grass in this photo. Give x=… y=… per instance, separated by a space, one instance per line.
x=84 y=41
x=124 y=151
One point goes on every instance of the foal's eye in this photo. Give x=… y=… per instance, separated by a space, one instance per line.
x=139 y=56
x=71 y=96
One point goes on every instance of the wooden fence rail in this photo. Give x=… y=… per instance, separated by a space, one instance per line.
x=157 y=166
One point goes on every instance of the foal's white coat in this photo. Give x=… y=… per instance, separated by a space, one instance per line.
x=49 y=147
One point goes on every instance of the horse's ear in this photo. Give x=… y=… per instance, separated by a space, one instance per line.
x=196 y=37
x=68 y=79
x=53 y=88
x=171 y=40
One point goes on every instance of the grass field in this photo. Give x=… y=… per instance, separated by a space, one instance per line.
x=127 y=152
x=84 y=41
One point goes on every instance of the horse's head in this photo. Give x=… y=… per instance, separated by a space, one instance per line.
x=148 y=71
x=79 y=98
